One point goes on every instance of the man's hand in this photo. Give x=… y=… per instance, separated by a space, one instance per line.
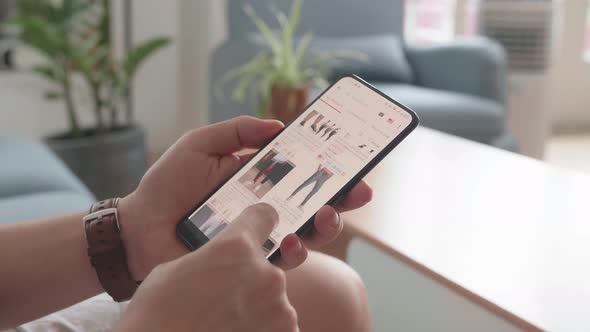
x=196 y=164
x=224 y=286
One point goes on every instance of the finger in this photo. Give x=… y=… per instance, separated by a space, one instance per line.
x=327 y=225
x=293 y=253
x=256 y=222
x=358 y=196
x=235 y=134
x=245 y=157
x=228 y=164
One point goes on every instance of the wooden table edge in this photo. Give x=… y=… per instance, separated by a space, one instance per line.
x=351 y=231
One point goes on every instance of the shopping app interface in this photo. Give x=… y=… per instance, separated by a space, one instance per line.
x=309 y=162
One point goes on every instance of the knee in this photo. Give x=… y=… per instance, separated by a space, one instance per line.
x=329 y=296
x=349 y=296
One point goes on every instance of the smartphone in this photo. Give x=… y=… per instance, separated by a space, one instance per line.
x=313 y=161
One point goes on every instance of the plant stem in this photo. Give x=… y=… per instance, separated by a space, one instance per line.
x=70 y=107
x=114 y=116
x=100 y=127
x=263 y=110
x=113 y=107
x=97 y=105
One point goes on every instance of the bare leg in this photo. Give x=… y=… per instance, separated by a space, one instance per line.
x=328 y=296
x=316 y=121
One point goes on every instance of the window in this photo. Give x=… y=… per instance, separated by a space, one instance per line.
x=429 y=21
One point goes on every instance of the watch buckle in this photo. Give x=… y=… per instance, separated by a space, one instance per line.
x=101 y=213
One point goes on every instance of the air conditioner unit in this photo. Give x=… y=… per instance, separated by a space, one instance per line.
x=527 y=30
x=524 y=28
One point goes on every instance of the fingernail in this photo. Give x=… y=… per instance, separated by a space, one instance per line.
x=277 y=121
x=293 y=245
x=335 y=222
x=297 y=246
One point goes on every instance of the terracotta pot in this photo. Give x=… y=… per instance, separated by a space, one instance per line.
x=286 y=103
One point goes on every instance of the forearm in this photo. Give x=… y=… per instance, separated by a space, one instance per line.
x=45 y=267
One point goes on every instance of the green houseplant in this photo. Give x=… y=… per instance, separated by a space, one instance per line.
x=280 y=76
x=73 y=38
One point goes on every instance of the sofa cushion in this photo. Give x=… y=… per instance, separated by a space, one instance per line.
x=30 y=167
x=41 y=205
x=386 y=57
x=455 y=113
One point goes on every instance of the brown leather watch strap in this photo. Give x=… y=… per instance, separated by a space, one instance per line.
x=107 y=251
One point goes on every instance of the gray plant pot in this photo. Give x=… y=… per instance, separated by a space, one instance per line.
x=111 y=164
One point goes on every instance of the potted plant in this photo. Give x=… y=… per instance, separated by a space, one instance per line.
x=281 y=75
x=73 y=38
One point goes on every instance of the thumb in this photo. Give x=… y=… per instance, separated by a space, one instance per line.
x=256 y=222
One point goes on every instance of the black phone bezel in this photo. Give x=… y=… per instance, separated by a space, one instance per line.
x=193 y=238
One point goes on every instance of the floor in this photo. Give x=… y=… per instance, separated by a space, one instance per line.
x=569 y=151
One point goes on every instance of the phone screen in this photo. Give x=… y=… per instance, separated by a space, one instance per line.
x=323 y=151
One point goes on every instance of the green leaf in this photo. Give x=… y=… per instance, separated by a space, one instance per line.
x=40 y=35
x=315 y=76
x=249 y=74
x=271 y=39
x=82 y=62
x=262 y=111
x=257 y=65
x=294 y=15
x=266 y=83
x=50 y=73
x=53 y=95
x=239 y=92
x=302 y=47
x=290 y=70
x=88 y=43
x=286 y=64
x=32 y=7
x=68 y=10
x=98 y=56
x=105 y=23
x=140 y=53
x=319 y=82
x=280 y=16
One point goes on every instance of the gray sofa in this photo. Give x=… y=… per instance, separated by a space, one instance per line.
x=457 y=88
x=34 y=183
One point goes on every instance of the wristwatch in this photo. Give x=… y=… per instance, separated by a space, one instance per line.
x=106 y=250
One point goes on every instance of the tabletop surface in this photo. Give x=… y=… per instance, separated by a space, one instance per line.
x=510 y=232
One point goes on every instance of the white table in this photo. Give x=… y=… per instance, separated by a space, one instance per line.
x=508 y=233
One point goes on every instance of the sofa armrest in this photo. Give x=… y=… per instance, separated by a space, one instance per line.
x=29 y=167
x=474 y=66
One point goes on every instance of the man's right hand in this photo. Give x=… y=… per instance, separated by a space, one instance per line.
x=227 y=285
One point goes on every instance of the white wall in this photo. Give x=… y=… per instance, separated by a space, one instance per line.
x=25 y=112
x=171 y=92
x=203 y=27
x=218 y=22
x=155 y=88
x=571 y=88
